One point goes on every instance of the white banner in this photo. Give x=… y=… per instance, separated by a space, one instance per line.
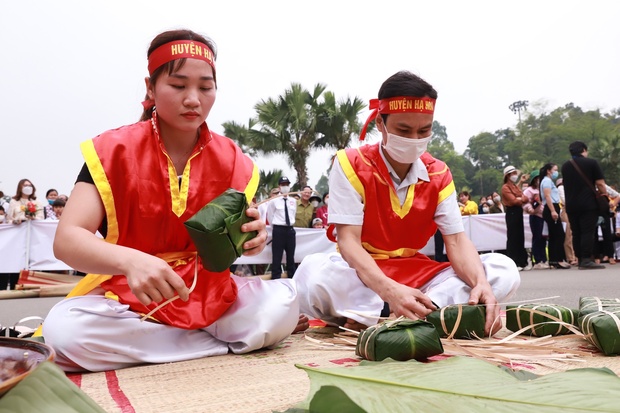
x=29 y=245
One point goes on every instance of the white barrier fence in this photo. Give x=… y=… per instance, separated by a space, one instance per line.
x=29 y=245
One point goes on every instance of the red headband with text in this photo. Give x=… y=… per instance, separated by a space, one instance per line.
x=401 y=104
x=180 y=49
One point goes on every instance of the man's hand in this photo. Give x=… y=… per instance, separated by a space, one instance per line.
x=257 y=244
x=408 y=302
x=483 y=294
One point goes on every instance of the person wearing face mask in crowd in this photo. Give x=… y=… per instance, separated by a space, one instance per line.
x=2 y=215
x=24 y=205
x=321 y=211
x=48 y=211
x=495 y=204
x=281 y=216
x=483 y=208
x=535 y=210
x=387 y=200
x=315 y=200
x=551 y=213
x=513 y=200
x=305 y=209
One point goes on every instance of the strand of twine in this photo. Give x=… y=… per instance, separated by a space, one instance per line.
x=168 y=301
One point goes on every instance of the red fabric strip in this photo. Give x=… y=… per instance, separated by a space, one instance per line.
x=117 y=394
x=76 y=378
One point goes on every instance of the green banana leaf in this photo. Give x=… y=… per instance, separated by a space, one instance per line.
x=589 y=305
x=216 y=230
x=459 y=321
x=602 y=329
x=457 y=384
x=401 y=339
x=47 y=389
x=521 y=316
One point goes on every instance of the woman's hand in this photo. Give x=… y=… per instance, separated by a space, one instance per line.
x=257 y=244
x=151 y=279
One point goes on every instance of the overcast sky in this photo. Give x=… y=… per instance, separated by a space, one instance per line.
x=73 y=69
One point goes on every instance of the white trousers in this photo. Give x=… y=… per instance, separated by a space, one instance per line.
x=95 y=333
x=330 y=290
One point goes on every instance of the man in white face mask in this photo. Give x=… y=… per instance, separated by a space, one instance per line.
x=386 y=201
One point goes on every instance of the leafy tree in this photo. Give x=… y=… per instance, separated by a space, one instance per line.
x=323 y=185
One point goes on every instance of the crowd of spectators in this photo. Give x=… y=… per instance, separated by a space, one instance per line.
x=25 y=206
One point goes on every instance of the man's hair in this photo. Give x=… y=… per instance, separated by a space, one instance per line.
x=577 y=148
x=405 y=83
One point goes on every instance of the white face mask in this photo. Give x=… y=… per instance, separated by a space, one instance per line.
x=285 y=189
x=27 y=190
x=2 y=219
x=315 y=203
x=485 y=210
x=405 y=150
x=514 y=178
x=490 y=202
x=497 y=199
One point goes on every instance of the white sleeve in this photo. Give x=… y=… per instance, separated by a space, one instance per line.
x=448 y=216
x=345 y=204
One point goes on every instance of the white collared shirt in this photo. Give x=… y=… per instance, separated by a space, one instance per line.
x=275 y=210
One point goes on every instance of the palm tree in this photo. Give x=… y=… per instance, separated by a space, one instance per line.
x=339 y=122
x=295 y=123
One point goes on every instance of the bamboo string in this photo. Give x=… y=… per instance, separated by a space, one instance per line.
x=168 y=301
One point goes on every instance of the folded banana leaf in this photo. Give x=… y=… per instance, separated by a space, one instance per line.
x=47 y=389
x=457 y=384
x=401 y=339
x=602 y=329
x=459 y=321
x=538 y=317
x=589 y=305
x=216 y=230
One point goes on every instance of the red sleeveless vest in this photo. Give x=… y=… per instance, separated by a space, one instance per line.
x=146 y=209
x=392 y=233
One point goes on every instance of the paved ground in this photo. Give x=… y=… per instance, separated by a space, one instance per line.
x=568 y=285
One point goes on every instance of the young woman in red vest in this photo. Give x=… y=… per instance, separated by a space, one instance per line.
x=139 y=184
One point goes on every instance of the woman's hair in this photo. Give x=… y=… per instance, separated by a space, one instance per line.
x=174 y=65
x=49 y=191
x=545 y=169
x=405 y=83
x=543 y=174
x=19 y=193
x=465 y=193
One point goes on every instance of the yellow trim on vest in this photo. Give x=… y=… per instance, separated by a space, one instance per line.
x=350 y=173
x=87 y=284
x=403 y=210
x=443 y=171
x=252 y=187
x=103 y=186
x=446 y=192
x=379 y=254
